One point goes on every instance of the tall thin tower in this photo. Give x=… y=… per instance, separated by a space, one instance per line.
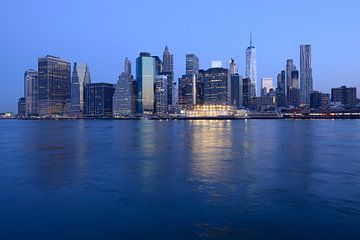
x=306 y=79
x=251 y=67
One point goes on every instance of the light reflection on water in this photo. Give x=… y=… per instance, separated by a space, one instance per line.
x=200 y=179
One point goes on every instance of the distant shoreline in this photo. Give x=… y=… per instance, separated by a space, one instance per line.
x=192 y=118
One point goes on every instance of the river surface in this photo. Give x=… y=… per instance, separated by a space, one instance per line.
x=251 y=179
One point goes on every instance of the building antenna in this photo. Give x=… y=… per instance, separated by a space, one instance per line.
x=251 y=38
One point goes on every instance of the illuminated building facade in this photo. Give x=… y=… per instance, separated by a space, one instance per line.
x=215 y=86
x=124 y=97
x=31 y=92
x=161 y=94
x=54 y=93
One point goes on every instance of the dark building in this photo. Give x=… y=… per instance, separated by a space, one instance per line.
x=248 y=100
x=315 y=100
x=268 y=101
x=54 y=79
x=191 y=90
x=281 y=89
x=168 y=71
x=294 y=97
x=325 y=101
x=215 y=86
x=347 y=96
x=319 y=100
x=99 y=100
x=236 y=90
x=21 y=108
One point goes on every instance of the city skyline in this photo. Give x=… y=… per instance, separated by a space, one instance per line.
x=105 y=55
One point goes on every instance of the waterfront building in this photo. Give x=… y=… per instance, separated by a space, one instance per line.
x=192 y=64
x=54 y=89
x=294 y=97
x=325 y=101
x=289 y=69
x=191 y=90
x=346 y=96
x=21 y=108
x=146 y=68
x=80 y=77
x=31 y=92
x=168 y=70
x=319 y=100
x=236 y=90
x=281 y=89
x=248 y=101
x=215 y=86
x=266 y=85
x=268 y=100
x=315 y=100
x=161 y=94
x=99 y=100
x=251 y=67
x=306 y=79
x=124 y=96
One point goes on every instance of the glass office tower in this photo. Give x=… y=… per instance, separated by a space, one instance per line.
x=80 y=77
x=145 y=76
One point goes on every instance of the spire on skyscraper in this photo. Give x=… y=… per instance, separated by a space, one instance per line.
x=251 y=39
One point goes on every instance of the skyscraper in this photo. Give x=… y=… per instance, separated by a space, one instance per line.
x=127 y=66
x=168 y=61
x=145 y=76
x=31 y=92
x=99 y=100
x=248 y=101
x=21 y=108
x=215 y=86
x=124 y=97
x=54 y=93
x=80 y=77
x=234 y=84
x=160 y=94
x=192 y=64
x=280 y=90
x=251 y=67
x=236 y=90
x=289 y=69
x=233 y=67
x=158 y=65
x=295 y=78
x=168 y=70
x=306 y=79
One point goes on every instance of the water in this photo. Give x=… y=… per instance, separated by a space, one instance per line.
x=258 y=179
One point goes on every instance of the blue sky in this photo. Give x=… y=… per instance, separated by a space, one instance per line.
x=103 y=33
